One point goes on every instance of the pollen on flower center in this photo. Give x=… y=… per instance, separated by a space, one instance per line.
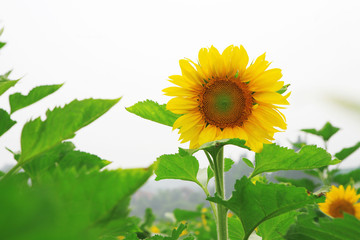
x=338 y=208
x=225 y=103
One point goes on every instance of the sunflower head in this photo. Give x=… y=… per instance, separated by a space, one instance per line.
x=340 y=200
x=222 y=97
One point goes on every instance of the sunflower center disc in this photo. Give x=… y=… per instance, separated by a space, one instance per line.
x=341 y=206
x=224 y=104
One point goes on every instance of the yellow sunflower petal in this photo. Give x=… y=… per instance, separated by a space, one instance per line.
x=273 y=97
x=179 y=105
x=189 y=72
x=209 y=134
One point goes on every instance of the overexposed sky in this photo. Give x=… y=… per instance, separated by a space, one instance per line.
x=112 y=48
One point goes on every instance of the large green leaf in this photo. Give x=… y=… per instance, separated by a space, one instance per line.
x=63 y=156
x=210 y=146
x=70 y=205
x=308 y=227
x=302 y=182
x=19 y=101
x=155 y=112
x=345 y=178
x=254 y=204
x=175 y=166
x=5 y=83
x=44 y=161
x=276 y=228
x=235 y=229
x=326 y=132
x=344 y=153
x=274 y=158
x=78 y=160
x=5 y=121
x=61 y=123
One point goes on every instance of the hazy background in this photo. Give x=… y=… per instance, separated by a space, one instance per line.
x=108 y=49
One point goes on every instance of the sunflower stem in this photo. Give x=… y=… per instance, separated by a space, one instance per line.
x=222 y=229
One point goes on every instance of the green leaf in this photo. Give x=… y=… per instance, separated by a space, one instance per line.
x=174 y=235
x=215 y=144
x=70 y=205
x=274 y=158
x=308 y=227
x=275 y=228
x=236 y=231
x=78 y=160
x=2 y=44
x=175 y=166
x=302 y=182
x=182 y=215
x=19 y=101
x=346 y=178
x=248 y=162
x=254 y=204
x=5 y=84
x=155 y=112
x=148 y=219
x=6 y=122
x=43 y=162
x=283 y=89
x=61 y=123
x=326 y=132
x=227 y=166
x=344 y=153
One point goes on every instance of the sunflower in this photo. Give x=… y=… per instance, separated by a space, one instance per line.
x=222 y=97
x=339 y=200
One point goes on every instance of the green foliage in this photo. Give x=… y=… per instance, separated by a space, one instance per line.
x=61 y=123
x=345 y=152
x=182 y=215
x=6 y=122
x=254 y=204
x=155 y=112
x=174 y=235
x=235 y=229
x=227 y=166
x=326 y=132
x=70 y=204
x=5 y=83
x=19 y=101
x=248 y=162
x=345 y=179
x=311 y=227
x=303 y=182
x=175 y=166
x=276 y=228
x=274 y=158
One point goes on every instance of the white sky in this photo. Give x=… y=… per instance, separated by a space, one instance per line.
x=107 y=49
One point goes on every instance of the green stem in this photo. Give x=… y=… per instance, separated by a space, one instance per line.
x=220 y=190
x=213 y=207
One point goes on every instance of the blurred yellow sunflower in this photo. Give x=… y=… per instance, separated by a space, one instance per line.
x=222 y=97
x=339 y=200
